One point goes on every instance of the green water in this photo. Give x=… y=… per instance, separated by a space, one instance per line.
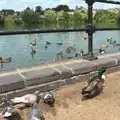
x=18 y=46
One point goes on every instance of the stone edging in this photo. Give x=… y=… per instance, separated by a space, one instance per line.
x=48 y=79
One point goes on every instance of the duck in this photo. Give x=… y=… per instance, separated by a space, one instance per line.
x=101 y=51
x=59 y=43
x=36 y=113
x=7 y=60
x=33 y=51
x=94 y=85
x=82 y=53
x=84 y=38
x=48 y=98
x=103 y=46
x=28 y=99
x=48 y=42
x=46 y=46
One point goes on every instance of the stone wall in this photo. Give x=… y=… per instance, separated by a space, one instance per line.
x=22 y=82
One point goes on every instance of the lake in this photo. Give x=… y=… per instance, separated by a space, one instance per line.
x=18 y=46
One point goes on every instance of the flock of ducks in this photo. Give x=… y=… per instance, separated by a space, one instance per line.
x=93 y=87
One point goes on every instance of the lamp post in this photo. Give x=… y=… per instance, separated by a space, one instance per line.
x=90 y=31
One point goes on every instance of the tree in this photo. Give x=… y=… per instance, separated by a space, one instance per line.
x=38 y=9
x=77 y=17
x=2 y=20
x=50 y=16
x=31 y=17
x=62 y=7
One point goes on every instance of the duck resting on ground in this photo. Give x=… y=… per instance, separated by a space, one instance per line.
x=48 y=98
x=94 y=85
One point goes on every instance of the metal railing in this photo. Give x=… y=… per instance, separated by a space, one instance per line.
x=89 y=30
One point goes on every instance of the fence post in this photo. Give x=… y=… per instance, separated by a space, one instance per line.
x=91 y=30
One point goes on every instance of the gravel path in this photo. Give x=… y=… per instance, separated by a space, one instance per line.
x=68 y=105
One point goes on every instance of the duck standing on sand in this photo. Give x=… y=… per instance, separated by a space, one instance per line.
x=48 y=98
x=94 y=85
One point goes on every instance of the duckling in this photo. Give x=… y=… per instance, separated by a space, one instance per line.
x=94 y=85
x=27 y=99
x=36 y=113
x=48 y=98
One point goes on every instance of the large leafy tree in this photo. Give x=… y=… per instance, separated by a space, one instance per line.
x=31 y=17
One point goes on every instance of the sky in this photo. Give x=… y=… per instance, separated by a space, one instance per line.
x=20 y=5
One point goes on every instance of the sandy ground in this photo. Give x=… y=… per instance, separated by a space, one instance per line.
x=68 y=105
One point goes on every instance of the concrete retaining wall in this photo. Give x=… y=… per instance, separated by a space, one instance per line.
x=20 y=82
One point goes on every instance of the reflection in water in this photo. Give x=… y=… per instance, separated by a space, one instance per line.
x=18 y=46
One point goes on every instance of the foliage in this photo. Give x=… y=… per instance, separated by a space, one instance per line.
x=31 y=17
x=50 y=16
x=62 y=7
x=2 y=20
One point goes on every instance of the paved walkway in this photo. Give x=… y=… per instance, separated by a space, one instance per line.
x=69 y=106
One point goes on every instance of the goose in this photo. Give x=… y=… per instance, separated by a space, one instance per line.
x=36 y=113
x=27 y=99
x=94 y=85
x=48 y=98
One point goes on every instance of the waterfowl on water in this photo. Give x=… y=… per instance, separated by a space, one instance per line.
x=101 y=51
x=48 y=42
x=82 y=53
x=36 y=113
x=33 y=51
x=84 y=38
x=59 y=43
x=94 y=85
x=102 y=46
x=48 y=98
x=7 y=60
x=27 y=99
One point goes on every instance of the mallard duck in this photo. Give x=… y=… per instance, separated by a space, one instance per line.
x=27 y=99
x=36 y=113
x=33 y=51
x=48 y=98
x=7 y=60
x=70 y=49
x=94 y=85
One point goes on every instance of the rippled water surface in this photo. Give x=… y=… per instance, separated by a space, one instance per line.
x=18 y=46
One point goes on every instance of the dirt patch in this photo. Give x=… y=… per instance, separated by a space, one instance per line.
x=68 y=105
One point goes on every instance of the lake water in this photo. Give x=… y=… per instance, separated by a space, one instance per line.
x=18 y=46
